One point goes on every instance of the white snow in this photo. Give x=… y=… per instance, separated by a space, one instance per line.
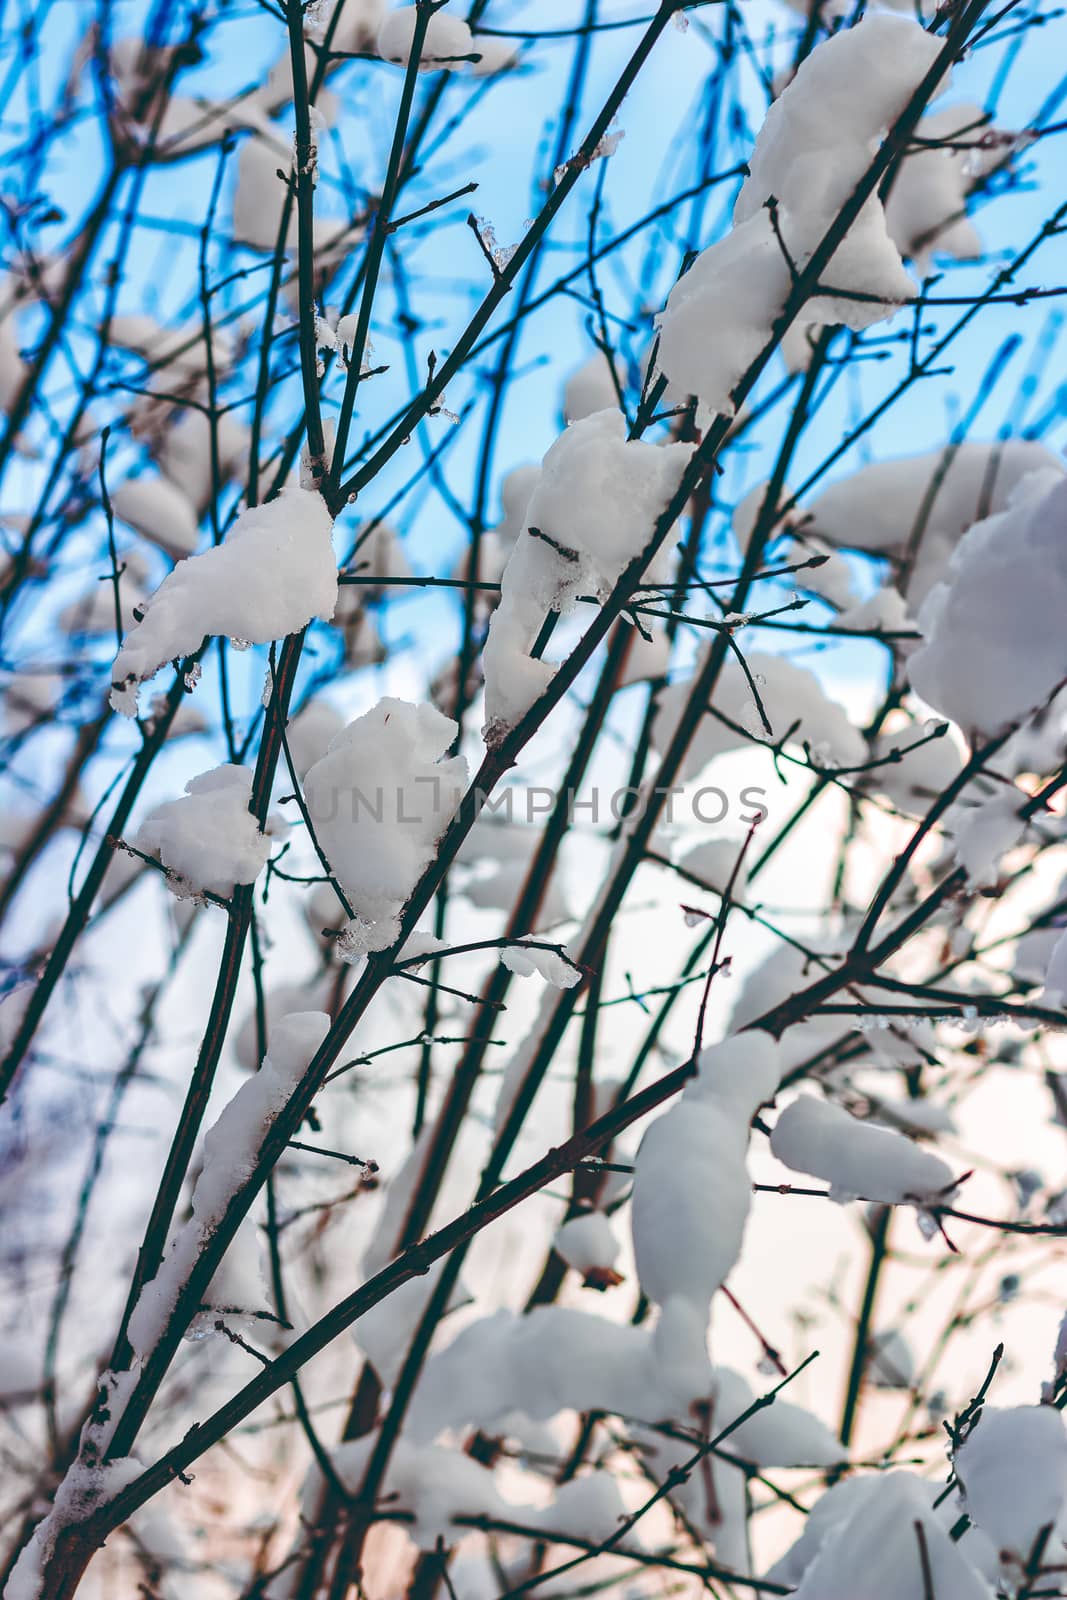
x=400 y=1186
x=923 y=768
x=589 y=1507
x=793 y=701
x=857 y=1159
x=21 y=1372
x=885 y=611
x=587 y=1243
x=883 y=507
x=994 y=646
x=524 y=959
x=714 y=862
x=550 y=1360
x=180 y=350
x=891 y=1364
x=232 y=1143
x=272 y=574
x=259 y=200
x=500 y=889
x=446 y=37
x=184 y=454
x=1055 y=990
x=497 y=543
x=495 y=55
x=782 y=1434
x=379 y=800
x=309 y=733
x=817 y=141
x=379 y=555
x=92 y=613
x=591 y=388
x=983 y=829
x=231 y=1154
x=12 y=367
x=876 y=1536
x=357 y=27
x=160 y=512
x=84 y=1490
x=280 y=999
x=384 y=1333
x=30 y=698
x=1012 y=1467
x=433 y=1483
x=713 y=1496
x=692 y=1192
x=595 y=507
x=926 y=211
x=208 y=838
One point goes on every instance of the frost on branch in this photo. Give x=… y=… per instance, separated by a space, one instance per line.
x=231 y=1156
x=817 y=141
x=692 y=1194
x=208 y=840
x=272 y=574
x=858 y=1160
x=593 y=510
x=994 y=647
x=380 y=799
x=1012 y=1468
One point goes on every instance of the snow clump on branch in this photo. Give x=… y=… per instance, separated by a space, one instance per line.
x=926 y=209
x=857 y=1159
x=1012 y=1468
x=885 y=1527
x=692 y=1194
x=379 y=801
x=917 y=508
x=274 y=572
x=593 y=510
x=817 y=142
x=208 y=839
x=790 y=698
x=994 y=645
x=446 y=44
x=231 y=1157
